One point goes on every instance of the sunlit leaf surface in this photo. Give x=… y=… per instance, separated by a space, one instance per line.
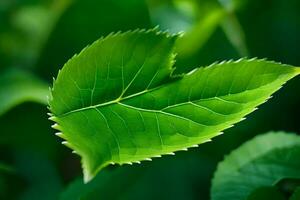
x=117 y=101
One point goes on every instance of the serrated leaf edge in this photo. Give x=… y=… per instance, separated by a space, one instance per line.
x=209 y=138
x=167 y=34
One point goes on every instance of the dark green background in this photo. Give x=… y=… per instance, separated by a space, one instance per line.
x=39 y=167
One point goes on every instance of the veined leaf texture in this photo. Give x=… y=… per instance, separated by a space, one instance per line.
x=118 y=102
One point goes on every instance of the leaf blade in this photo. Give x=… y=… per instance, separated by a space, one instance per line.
x=260 y=162
x=18 y=86
x=142 y=111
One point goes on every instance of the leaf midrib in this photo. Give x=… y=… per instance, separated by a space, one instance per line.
x=121 y=98
x=118 y=100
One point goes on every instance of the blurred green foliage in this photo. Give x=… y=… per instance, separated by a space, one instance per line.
x=265 y=165
x=38 y=36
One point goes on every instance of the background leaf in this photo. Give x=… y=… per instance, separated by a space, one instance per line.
x=261 y=162
x=17 y=86
x=199 y=20
x=25 y=29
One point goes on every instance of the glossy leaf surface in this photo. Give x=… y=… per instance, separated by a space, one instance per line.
x=117 y=101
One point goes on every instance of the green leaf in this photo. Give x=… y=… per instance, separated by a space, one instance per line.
x=117 y=102
x=261 y=162
x=235 y=33
x=211 y=14
x=195 y=38
x=17 y=86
